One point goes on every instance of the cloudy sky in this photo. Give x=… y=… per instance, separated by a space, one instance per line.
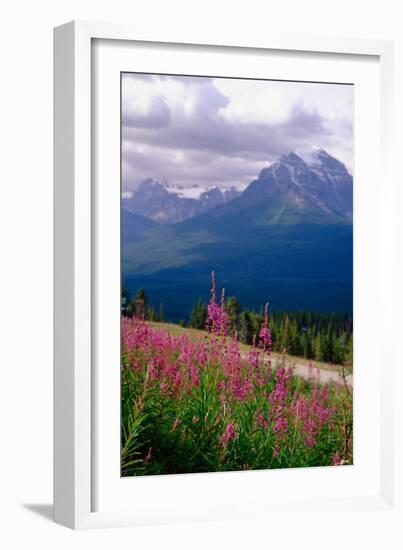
x=219 y=131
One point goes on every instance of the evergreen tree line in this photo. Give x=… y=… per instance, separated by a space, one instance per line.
x=324 y=337
x=139 y=306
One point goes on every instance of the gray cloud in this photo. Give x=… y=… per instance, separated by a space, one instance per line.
x=157 y=116
x=173 y=129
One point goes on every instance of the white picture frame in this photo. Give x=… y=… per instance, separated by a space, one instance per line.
x=76 y=211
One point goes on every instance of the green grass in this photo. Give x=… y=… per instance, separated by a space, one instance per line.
x=189 y=407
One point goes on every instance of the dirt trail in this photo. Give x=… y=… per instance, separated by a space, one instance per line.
x=323 y=374
x=316 y=373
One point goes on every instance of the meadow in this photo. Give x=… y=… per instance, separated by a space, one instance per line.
x=196 y=334
x=206 y=403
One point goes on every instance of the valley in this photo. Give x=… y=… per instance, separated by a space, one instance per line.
x=287 y=239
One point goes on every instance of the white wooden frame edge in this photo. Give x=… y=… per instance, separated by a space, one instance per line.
x=72 y=248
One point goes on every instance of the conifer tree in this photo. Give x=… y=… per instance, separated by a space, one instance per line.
x=317 y=346
x=245 y=327
x=232 y=308
x=198 y=315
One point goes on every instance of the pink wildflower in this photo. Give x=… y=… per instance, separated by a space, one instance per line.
x=217 y=317
x=228 y=435
x=253 y=355
x=336 y=460
x=280 y=425
x=261 y=421
x=265 y=333
x=194 y=375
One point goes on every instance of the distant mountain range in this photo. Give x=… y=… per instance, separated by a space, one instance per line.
x=286 y=239
x=166 y=203
x=318 y=187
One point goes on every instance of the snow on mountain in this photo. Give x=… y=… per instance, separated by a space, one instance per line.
x=193 y=192
x=295 y=190
x=169 y=203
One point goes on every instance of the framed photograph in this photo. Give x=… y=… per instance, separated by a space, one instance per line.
x=223 y=252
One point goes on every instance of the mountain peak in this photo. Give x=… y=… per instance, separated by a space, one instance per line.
x=169 y=203
x=291 y=158
x=330 y=163
x=310 y=185
x=151 y=183
x=320 y=159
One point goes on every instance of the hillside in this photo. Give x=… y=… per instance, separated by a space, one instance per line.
x=196 y=334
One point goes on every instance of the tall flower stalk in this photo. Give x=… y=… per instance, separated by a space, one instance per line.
x=265 y=333
x=217 y=317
